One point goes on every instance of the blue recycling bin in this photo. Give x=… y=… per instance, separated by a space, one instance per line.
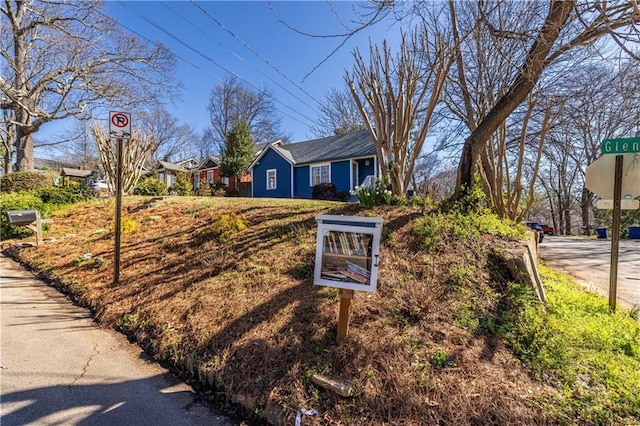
x=601 y=232
x=634 y=232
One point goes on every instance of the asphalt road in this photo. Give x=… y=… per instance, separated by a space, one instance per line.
x=588 y=260
x=57 y=367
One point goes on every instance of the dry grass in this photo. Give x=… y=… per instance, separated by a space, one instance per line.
x=243 y=317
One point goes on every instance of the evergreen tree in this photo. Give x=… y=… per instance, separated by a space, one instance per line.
x=182 y=186
x=239 y=151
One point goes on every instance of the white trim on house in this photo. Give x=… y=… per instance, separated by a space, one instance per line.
x=275 y=179
x=272 y=145
x=252 y=194
x=319 y=166
x=353 y=179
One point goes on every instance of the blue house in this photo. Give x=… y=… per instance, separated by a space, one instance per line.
x=291 y=171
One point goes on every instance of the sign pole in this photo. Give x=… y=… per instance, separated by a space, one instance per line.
x=116 y=249
x=615 y=233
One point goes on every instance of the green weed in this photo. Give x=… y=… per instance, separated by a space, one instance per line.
x=593 y=354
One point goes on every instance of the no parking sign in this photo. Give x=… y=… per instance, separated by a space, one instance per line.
x=120 y=125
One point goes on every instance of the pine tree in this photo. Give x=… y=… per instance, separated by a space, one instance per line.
x=238 y=152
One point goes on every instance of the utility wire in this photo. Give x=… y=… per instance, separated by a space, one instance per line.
x=239 y=57
x=208 y=58
x=256 y=53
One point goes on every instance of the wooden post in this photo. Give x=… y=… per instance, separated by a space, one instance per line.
x=37 y=227
x=615 y=233
x=343 y=317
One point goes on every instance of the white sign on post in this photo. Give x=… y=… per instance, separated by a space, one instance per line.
x=601 y=176
x=624 y=204
x=120 y=125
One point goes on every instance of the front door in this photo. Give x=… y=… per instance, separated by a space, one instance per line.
x=354 y=174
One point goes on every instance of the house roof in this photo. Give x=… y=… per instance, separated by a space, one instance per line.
x=66 y=171
x=170 y=166
x=332 y=148
x=205 y=161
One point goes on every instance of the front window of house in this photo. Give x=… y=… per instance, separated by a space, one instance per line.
x=225 y=180
x=271 y=179
x=320 y=173
x=196 y=181
x=210 y=176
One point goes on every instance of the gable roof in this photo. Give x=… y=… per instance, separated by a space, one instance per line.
x=332 y=148
x=169 y=166
x=66 y=171
x=209 y=162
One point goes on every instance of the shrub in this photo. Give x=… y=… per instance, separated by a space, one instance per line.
x=376 y=195
x=17 y=201
x=25 y=181
x=127 y=225
x=343 y=196
x=65 y=195
x=436 y=231
x=226 y=226
x=219 y=192
x=204 y=190
x=182 y=185
x=324 y=191
x=151 y=185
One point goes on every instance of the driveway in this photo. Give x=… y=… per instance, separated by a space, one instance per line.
x=57 y=367
x=588 y=260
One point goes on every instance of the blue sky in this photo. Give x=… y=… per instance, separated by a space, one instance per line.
x=200 y=26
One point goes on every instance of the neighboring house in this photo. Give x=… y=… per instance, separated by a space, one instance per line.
x=291 y=171
x=209 y=171
x=167 y=171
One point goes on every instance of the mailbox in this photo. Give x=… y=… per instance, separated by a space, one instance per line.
x=21 y=217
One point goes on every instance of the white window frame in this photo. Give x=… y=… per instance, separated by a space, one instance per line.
x=210 y=177
x=319 y=166
x=225 y=180
x=196 y=180
x=275 y=179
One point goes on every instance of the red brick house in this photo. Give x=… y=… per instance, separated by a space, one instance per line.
x=209 y=171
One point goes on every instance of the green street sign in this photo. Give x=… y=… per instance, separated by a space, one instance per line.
x=620 y=146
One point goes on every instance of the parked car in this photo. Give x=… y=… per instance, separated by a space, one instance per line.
x=536 y=227
x=549 y=230
x=100 y=184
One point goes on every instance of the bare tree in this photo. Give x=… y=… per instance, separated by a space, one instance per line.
x=339 y=115
x=233 y=102
x=134 y=154
x=170 y=136
x=80 y=146
x=600 y=104
x=61 y=57
x=566 y=26
x=401 y=94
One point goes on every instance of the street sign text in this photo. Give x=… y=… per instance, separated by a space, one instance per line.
x=620 y=146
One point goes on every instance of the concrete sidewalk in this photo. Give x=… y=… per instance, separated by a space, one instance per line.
x=58 y=367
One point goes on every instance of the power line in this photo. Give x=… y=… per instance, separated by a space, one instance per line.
x=208 y=58
x=255 y=52
x=241 y=58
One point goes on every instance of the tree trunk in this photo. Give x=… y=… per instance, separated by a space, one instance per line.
x=587 y=200
x=534 y=64
x=24 y=143
x=8 y=166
